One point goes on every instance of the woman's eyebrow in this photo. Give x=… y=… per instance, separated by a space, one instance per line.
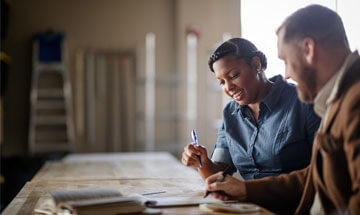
x=227 y=72
x=230 y=70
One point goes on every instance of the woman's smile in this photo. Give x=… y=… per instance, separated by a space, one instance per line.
x=239 y=95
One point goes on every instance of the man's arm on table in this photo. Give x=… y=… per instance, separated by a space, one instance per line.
x=279 y=193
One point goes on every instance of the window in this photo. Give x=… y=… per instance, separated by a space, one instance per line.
x=260 y=19
x=349 y=12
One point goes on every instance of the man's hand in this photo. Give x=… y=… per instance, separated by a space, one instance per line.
x=231 y=187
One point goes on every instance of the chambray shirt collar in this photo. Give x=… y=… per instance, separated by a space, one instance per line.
x=270 y=100
x=328 y=93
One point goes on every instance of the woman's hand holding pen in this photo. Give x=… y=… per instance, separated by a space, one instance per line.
x=189 y=156
x=232 y=188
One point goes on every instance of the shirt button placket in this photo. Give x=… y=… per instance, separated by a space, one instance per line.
x=253 y=139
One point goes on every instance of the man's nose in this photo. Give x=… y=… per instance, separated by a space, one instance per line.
x=287 y=75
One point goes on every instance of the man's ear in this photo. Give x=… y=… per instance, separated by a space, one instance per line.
x=308 y=48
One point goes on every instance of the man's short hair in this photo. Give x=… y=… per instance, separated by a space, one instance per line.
x=320 y=23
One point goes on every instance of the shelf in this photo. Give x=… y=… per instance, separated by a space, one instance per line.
x=50 y=105
x=50 y=120
x=50 y=93
x=45 y=136
x=44 y=67
x=58 y=146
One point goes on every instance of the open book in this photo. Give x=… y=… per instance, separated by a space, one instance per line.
x=109 y=202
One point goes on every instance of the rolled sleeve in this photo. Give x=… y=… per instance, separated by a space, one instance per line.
x=221 y=155
x=221 y=152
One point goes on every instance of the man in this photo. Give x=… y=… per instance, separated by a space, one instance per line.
x=313 y=44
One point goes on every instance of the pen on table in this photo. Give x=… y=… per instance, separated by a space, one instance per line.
x=153 y=193
x=221 y=177
x=194 y=137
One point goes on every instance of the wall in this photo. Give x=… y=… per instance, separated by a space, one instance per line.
x=114 y=24
x=107 y=24
x=212 y=18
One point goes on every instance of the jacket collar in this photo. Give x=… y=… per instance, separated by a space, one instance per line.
x=334 y=102
x=330 y=91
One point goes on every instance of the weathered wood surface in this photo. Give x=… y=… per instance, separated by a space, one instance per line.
x=115 y=166
x=128 y=173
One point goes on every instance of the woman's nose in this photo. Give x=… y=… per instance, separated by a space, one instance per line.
x=229 y=86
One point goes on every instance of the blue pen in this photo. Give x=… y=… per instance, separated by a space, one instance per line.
x=194 y=137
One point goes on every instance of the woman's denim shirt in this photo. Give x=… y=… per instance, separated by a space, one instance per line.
x=281 y=141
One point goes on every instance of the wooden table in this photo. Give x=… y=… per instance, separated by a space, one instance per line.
x=127 y=172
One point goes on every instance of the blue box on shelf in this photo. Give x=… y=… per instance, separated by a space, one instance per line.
x=50 y=47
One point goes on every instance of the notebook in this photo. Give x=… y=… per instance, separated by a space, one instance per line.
x=109 y=202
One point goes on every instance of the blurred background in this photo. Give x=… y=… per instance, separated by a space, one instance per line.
x=82 y=76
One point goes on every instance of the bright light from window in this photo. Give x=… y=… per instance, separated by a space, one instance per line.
x=260 y=19
x=349 y=12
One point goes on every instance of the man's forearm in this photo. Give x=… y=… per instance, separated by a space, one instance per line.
x=209 y=168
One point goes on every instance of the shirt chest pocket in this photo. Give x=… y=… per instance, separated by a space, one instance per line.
x=240 y=156
x=292 y=150
x=281 y=136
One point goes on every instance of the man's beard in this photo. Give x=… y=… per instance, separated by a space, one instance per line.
x=306 y=87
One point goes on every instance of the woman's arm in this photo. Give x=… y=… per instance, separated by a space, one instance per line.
x=189 y=158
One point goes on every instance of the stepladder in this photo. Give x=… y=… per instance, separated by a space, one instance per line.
x=51 y=128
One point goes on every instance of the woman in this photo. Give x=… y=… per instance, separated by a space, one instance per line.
x=266 y=130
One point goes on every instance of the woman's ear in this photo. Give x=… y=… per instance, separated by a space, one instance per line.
x=256 y=63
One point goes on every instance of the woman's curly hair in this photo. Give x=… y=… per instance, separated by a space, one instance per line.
x=239 y=47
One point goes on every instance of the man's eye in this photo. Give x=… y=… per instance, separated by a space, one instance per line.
x=221 y=83
x=234 y=76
